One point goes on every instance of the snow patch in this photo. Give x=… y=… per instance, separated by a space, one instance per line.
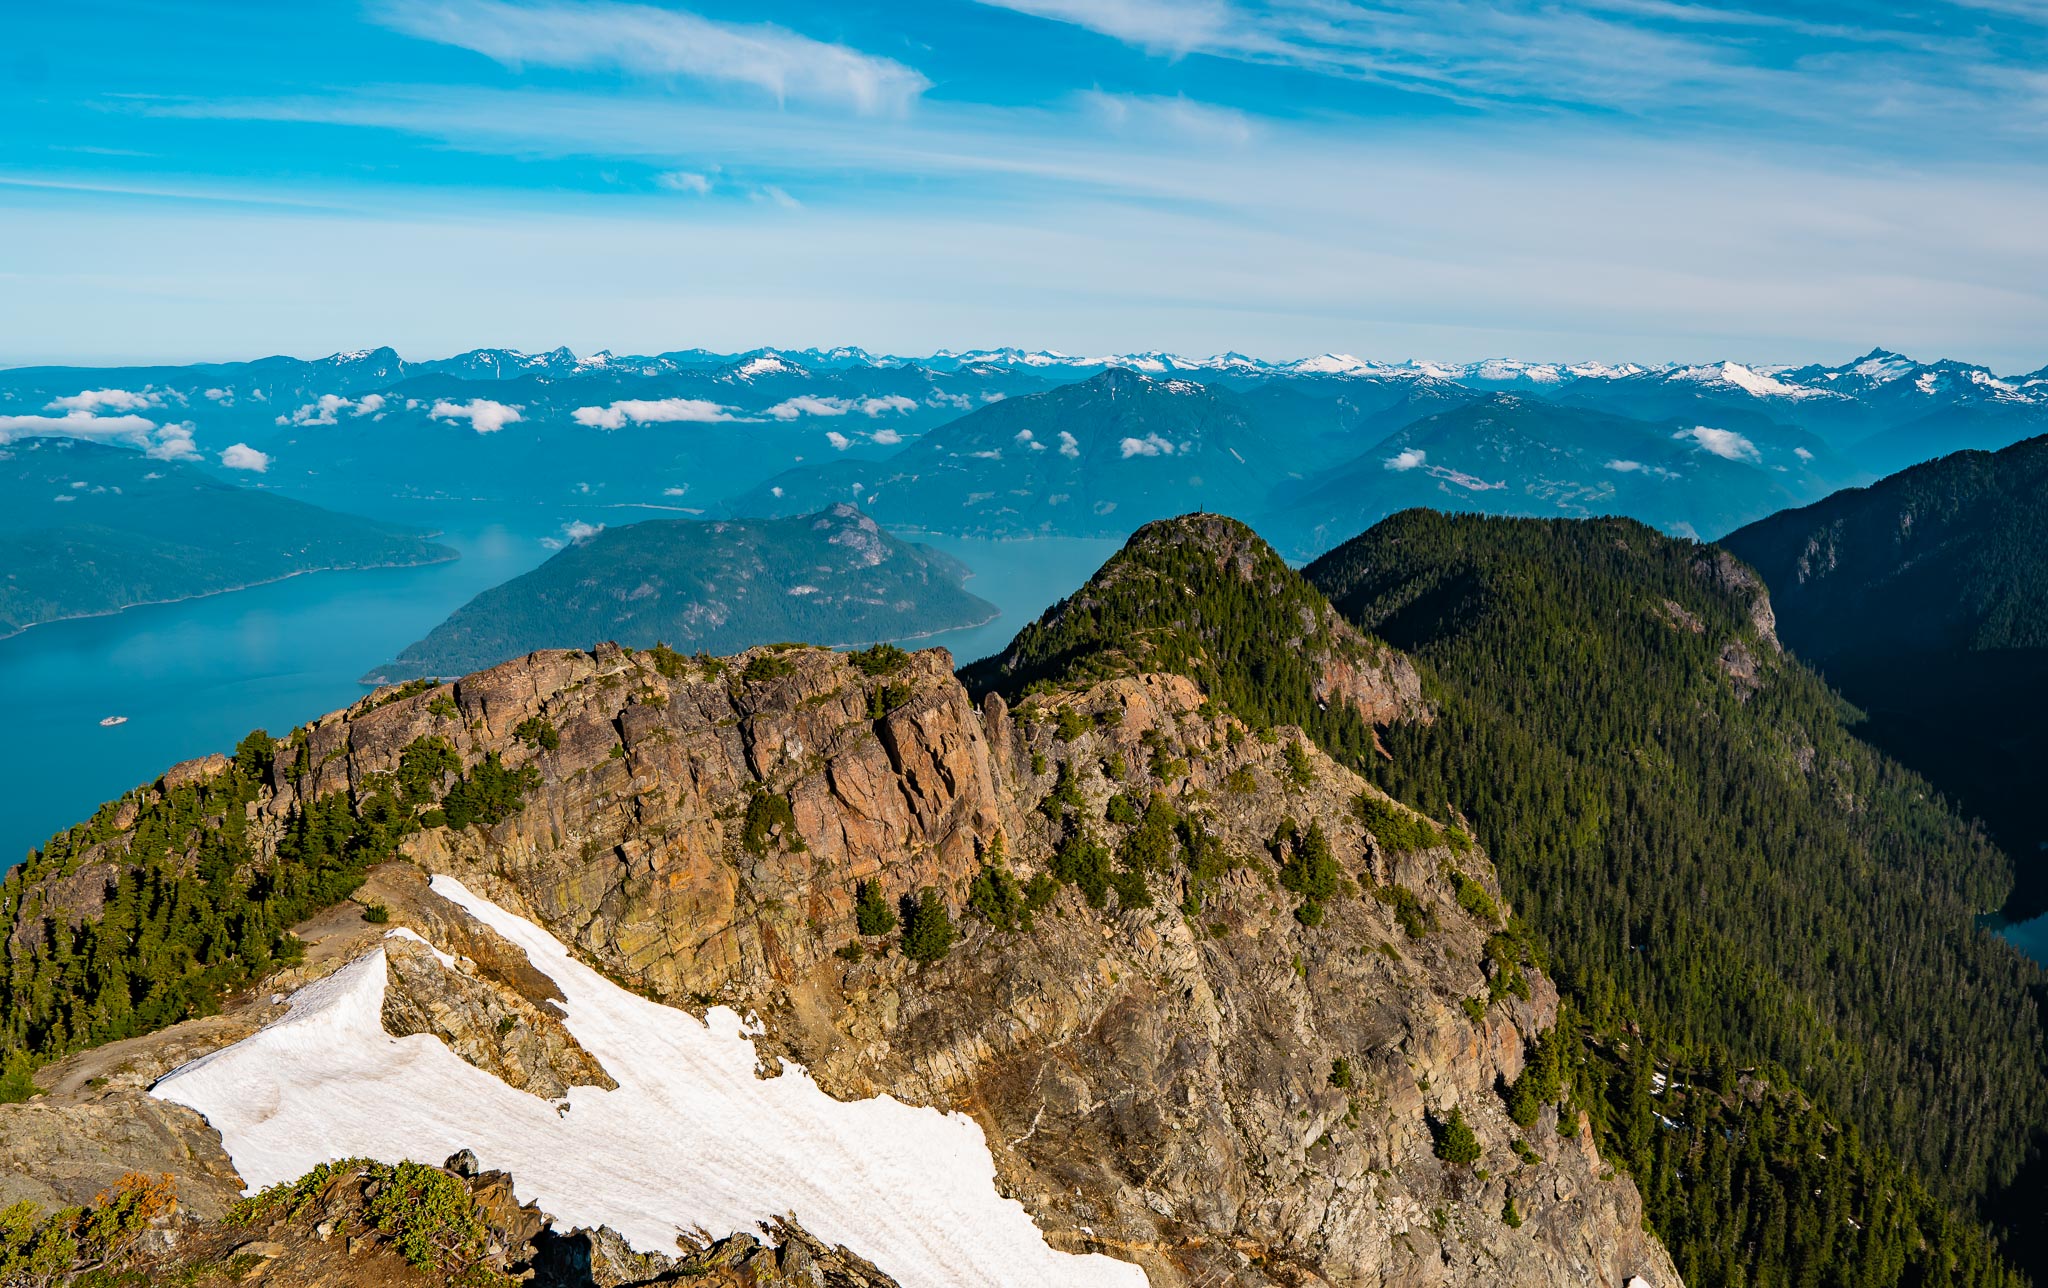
x=404 y=932
x=692 y=1139
x=1748 y=379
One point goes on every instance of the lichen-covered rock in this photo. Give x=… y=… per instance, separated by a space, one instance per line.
x=490 y=1026
x=56 y=1153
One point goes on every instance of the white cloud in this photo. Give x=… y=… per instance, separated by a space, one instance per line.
x=1150 y=445
x=887 y=403
x=1624 y=467
x=1023 y=436
x=659 y=411
x=91 y=401
x=220 y=395
x=809 y=405
x=839 y=441
x=1070 y=446
x=1182 y=118
x=817 y=405
x=173 y=443
x=1171 y=25
x=574 y=533
x=643 y=40
x=887 y=437
x=1510 y=207
x=776 y=196
x=328 y=409
x=483 y=415
x=684 y=181
x=1724 y=443
x=241 y=456
x=1802 y=453
x=777 y=492
x=65 y=496
x=674 y=491
x=1406 y=459
x=78 y=424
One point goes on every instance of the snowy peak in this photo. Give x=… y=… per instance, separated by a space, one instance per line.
x=1755 y=381
x=761 y=366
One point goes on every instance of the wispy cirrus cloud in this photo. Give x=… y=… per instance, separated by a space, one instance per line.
x=1174 y=25
x=1641 y=57
x=642 y=40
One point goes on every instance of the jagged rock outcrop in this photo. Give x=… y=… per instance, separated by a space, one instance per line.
x=1158 y=1077
x=490 y=1026
x=1729 y=575
x=787 y=1256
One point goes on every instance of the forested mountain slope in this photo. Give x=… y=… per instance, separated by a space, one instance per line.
x=1924 y=599
x=1203 y=596
x=87 y=528
x=1714 y=860
x=833 y=577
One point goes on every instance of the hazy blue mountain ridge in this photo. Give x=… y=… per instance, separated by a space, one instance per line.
x=87 y=528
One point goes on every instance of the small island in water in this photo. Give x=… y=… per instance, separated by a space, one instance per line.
x=832 y=577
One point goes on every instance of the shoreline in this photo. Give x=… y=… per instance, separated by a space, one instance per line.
x=226 y=590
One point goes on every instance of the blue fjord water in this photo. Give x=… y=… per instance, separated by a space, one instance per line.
x=193 y=677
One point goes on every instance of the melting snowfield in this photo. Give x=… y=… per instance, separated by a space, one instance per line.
x=691 y=1140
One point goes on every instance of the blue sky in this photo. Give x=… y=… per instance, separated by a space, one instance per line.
x=1637 y=179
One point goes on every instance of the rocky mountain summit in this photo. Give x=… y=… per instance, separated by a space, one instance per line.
x=1217 y=1006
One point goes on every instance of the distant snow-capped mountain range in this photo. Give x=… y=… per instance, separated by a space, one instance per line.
x=1878 y=369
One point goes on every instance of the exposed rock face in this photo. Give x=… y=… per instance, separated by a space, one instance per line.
x=1155 y=1082
x=1739 y=581
x=632 y=849
x=488 y=1025
x=1160 y=1087
x=59 y=1153
x=791 y=1258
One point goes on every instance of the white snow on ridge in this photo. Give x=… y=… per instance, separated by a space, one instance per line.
x=691 y=1139
x=1748 y=379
